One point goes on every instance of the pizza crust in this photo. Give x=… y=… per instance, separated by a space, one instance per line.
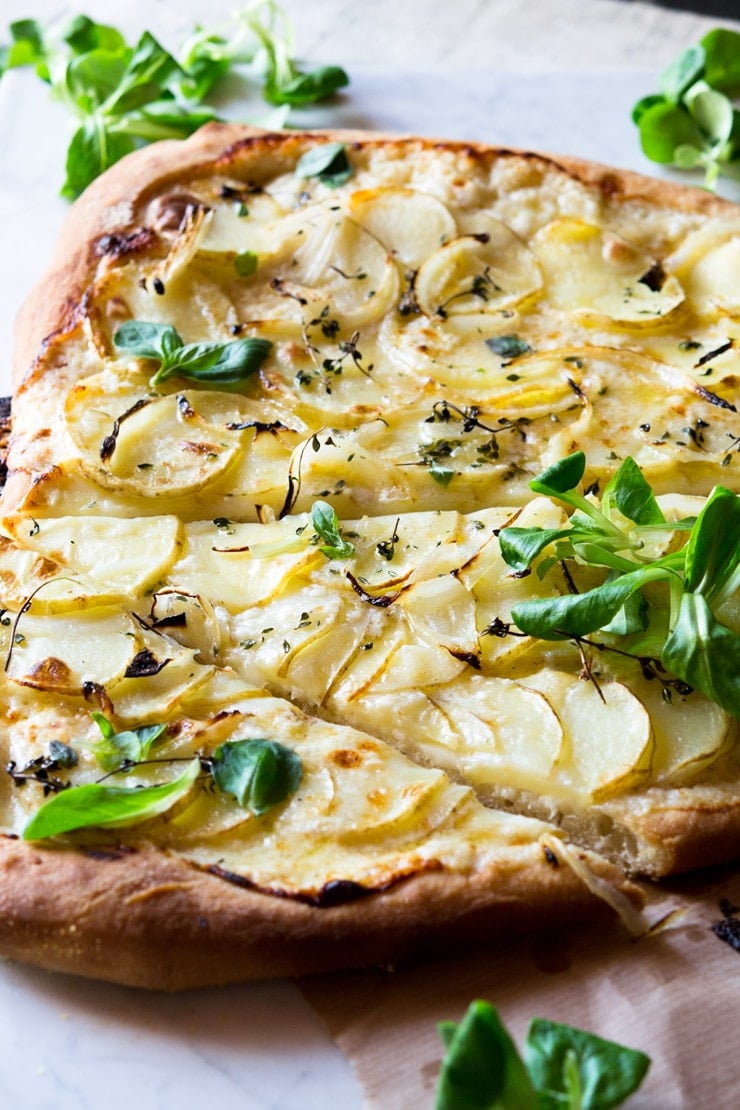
x=137 y=916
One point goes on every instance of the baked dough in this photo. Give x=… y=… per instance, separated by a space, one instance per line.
x=444 y=324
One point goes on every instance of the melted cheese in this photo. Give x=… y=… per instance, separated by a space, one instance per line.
x=442 y=330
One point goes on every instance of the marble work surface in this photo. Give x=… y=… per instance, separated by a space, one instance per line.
x=555 y=75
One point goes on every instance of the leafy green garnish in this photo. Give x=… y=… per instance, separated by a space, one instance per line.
x=245 y=263
x=508 y=346
x=563 y=1068
x=326 y=524
x=258 y=773
x=680 y=623
x=692 y=123
x=327 y=162
x=212 y=363
x=126 y=95
x=96 y=805
x=119 y=748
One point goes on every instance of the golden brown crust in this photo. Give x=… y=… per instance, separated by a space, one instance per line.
x=141 y=917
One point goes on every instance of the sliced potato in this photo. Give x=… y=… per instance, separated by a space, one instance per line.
x=410 y=224
x=150 y=445
x=122 y=555
x=485 y=272
x=62 y=654
x=592 y=271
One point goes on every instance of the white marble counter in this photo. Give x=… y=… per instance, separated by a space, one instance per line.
x=546 y=74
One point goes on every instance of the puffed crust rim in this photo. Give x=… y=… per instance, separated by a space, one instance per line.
x=140 y=916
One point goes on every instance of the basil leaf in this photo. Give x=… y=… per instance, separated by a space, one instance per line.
x=633 y=496
x=117 y=748
x=307 y=88
x=327 y=162
x=713 y=551
x=558 y=618
x=326 y=525
x=147 y=340
x=482 y=1069
x=561 y=1059
x=94 y=805
x=705 y=653
x=258 y=773
x=215 y=363
x=561 y=477
x=218 y=363
x=682 y=72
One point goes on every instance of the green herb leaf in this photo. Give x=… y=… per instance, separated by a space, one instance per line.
x=442 y=474
x=663 y=128
x=117 y=748
x=307 y=88
x=705 y=653
x=63 y=755
x=561 y=477
x=722 y=60
x=521 y=546
x=713 y=549
x=95 y=805
x=633 y=496
x=575 y=1069
x=508 y=346
x=245 y=264
x=327 y=162
x=559 y=618
x=681 y=73
x=213 y=363
x=482 y=1069
x=258 y=773
x=326 y=524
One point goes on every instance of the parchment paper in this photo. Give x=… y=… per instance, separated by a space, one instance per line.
x=673 y=992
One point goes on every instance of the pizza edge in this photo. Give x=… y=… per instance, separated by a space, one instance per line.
x=139 y=916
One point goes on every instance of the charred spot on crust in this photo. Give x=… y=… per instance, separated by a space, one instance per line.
x=340 y=891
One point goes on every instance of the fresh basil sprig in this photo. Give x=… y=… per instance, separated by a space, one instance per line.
x=124 y=96
x=692 y=123
x=326 y=523
x=563 y=1068
x=682 y=626
x=118 y=748
x=258 y=773
x=98 y=805
x=212 y=363
x=327 y=162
